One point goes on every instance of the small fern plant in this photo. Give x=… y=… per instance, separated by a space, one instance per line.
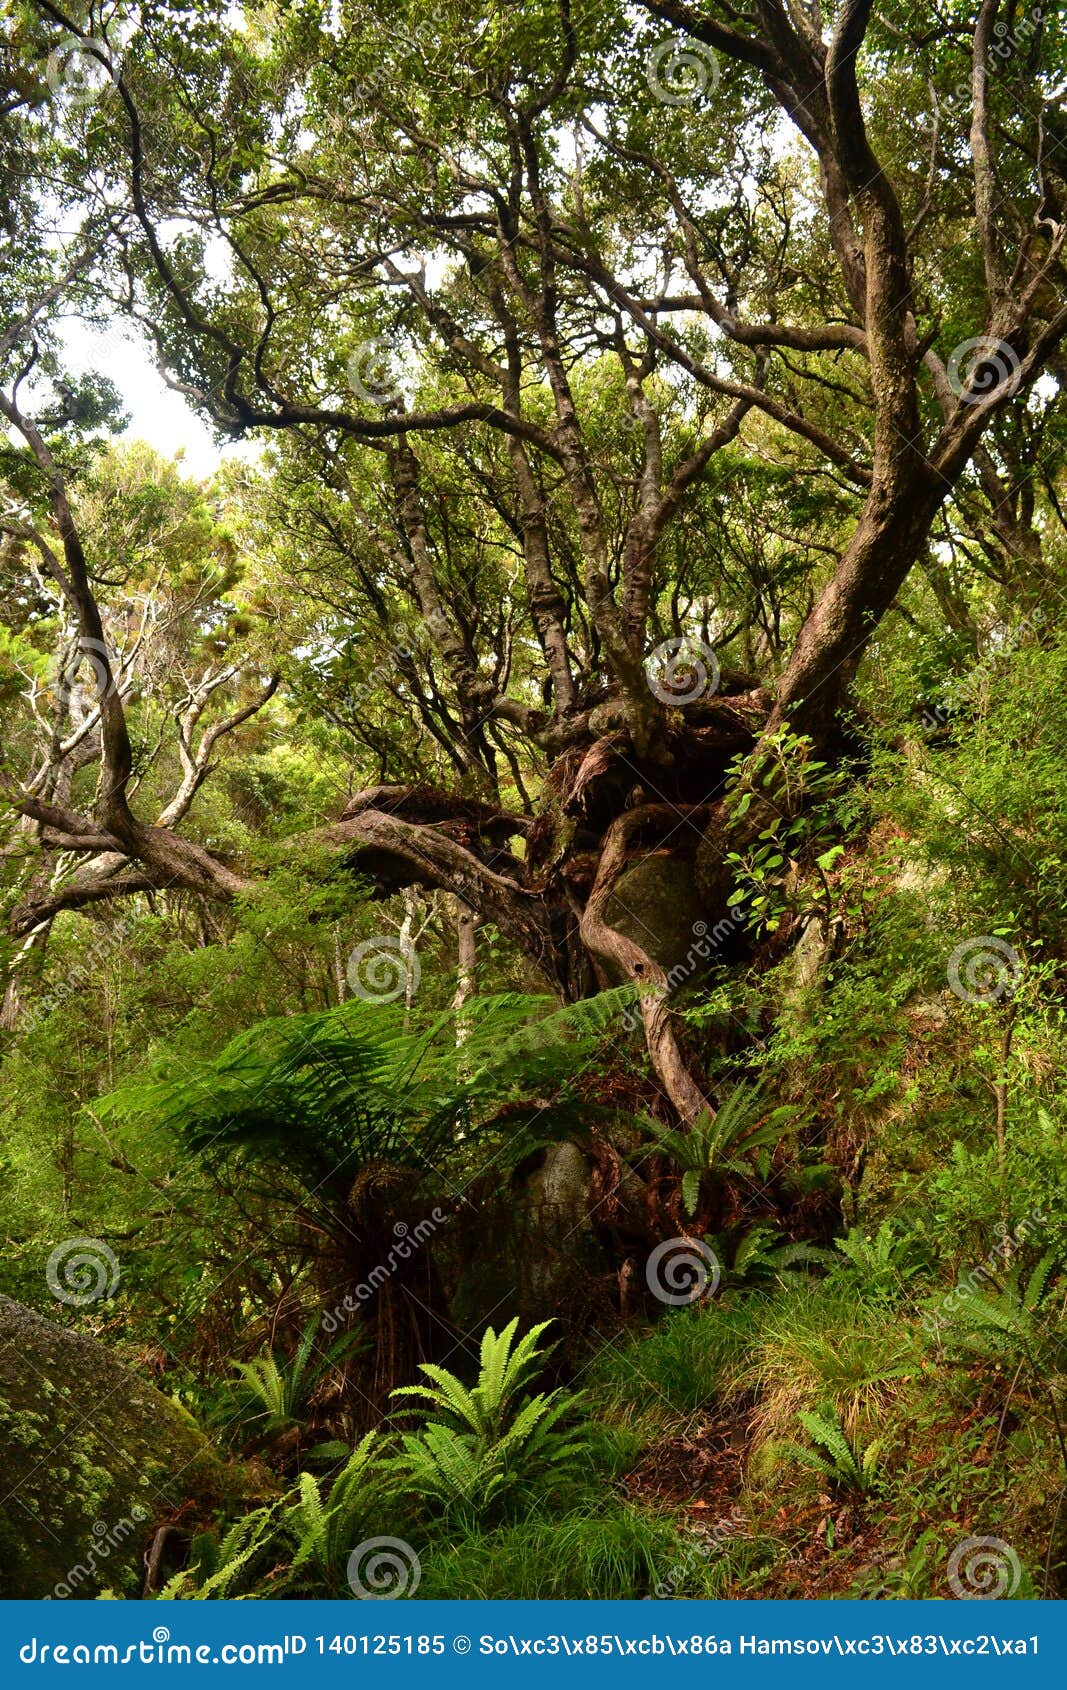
x=303 y=1540
x=272 y=1394
x=218 y=1566
x=323 y=1528
x=882 y=1264
x=763 y=1253
x=479 y=1448
x=1010 y=1324
x=846 y=1465
x=721 y=1143
x=1017 y=1328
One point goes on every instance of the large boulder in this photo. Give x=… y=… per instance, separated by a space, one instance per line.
x=655 y=903
x=93 y=1458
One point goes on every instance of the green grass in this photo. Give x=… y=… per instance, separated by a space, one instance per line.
x=680 y=1365
x=819 y=1345
x=618 y=1551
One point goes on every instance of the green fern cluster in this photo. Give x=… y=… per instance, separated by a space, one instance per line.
x=763 y=1253
x=488 y=1443
x=1016 y=1328
x=218 y=1565
x=883 y=1264
x=847 y=1466
x=477 y=1450
x=723 y=1143
x=302 y=1542
x=324 y=1528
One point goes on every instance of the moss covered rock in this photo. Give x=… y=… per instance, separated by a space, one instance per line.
x=656 y=904
x=92 y=1458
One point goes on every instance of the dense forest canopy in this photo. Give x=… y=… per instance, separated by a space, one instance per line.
x=608 y=700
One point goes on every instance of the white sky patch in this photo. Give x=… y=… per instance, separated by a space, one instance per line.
x=159 y=416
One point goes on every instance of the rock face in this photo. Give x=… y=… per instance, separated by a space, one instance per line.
x=655 y=903
x=92 y=1457
x=552 y=1211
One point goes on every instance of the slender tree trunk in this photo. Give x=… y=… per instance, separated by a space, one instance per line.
x=466 y=965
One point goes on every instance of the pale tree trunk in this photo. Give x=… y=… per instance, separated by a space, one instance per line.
x=340 y=979
x=466 y=964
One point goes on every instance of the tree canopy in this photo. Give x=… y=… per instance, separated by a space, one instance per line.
x=641 y=450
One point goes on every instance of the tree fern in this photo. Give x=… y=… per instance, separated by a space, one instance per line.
x=324 y=1094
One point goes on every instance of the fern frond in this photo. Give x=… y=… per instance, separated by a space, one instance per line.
x=1038 y=1281
x=829 y=1435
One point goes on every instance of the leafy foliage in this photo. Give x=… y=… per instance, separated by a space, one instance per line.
x=218 y=1566
x=273 y=1393
x=719 y=1143
x=1012 y=1322
x=884 y=1265
x=325 y=1094
x=383 y=673
x=762 y=1251
x=324 y=1529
